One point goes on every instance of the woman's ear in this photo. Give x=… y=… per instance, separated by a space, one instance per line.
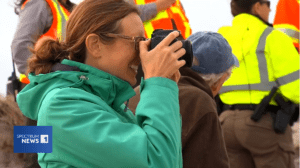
x=93 y=45
x=255 y=8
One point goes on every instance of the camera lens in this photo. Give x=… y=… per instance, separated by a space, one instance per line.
x=188 y=56
x=159 y=34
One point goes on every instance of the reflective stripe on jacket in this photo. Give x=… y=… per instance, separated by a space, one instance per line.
x=267 y=58
x=57 y=29
x=60 y=17
x=287 y=19
x=172 y=18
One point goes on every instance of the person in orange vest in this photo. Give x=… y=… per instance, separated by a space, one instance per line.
x=170 y=15
x=37 y=18
x=287 y=19
x=149 y=11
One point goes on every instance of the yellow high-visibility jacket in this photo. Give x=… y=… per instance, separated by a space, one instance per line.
x=267 y=58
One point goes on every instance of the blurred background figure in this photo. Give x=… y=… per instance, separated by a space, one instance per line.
x=170 y=15
x=202 y=137
x=268 y=60
x=37 y=18
x=10 y=116
x=287 y=19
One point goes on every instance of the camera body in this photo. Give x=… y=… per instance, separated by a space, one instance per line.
x=159 y=34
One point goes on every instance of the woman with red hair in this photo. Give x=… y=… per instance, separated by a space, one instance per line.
x=80 y=87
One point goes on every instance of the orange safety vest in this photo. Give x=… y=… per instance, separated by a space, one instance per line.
x=287 y=19
x=57 y=29
x=172 y=18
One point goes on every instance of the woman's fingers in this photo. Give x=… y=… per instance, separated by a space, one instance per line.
x=177 y=66
x=179 y=53
x=176 y=46
x=181 y=63
x=167 y=41
x=144 y=45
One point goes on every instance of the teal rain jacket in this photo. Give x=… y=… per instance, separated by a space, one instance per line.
x=91 y=127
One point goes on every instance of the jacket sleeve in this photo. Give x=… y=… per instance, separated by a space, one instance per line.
x=87 y=134
x=32 y=24
x=285 y=64
x=147 y=11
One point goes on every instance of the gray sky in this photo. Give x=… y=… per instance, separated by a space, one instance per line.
x=204 y=15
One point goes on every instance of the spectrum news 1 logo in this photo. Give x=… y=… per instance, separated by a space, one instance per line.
x=32 y=139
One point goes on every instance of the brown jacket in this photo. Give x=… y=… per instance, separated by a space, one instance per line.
x=202 y=138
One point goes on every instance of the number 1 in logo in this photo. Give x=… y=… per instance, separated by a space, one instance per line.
x=44 y=138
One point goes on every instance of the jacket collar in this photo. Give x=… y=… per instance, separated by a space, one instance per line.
x=113 y=90
x=249 y=20
x=267 y=23
x=189 y=77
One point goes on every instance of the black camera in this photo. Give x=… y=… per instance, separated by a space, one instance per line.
x=159 y=34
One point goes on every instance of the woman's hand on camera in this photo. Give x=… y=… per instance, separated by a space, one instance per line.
x=162 y=61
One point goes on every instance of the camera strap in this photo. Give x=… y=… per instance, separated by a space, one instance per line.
x=174 y=24
x=13 y=83
x=175 y=28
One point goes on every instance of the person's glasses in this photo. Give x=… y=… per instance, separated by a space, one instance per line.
x=267 y=2
x=136 y=40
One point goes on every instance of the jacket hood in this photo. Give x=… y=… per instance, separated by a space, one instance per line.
x=114 y=91
x=242 y=29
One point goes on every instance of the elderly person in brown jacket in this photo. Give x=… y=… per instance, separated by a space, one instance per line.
x=202 y=138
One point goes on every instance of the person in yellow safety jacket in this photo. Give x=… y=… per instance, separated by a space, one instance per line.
x=287 y=19
x=172 y=18
x=267 y=58
x=37 y=19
